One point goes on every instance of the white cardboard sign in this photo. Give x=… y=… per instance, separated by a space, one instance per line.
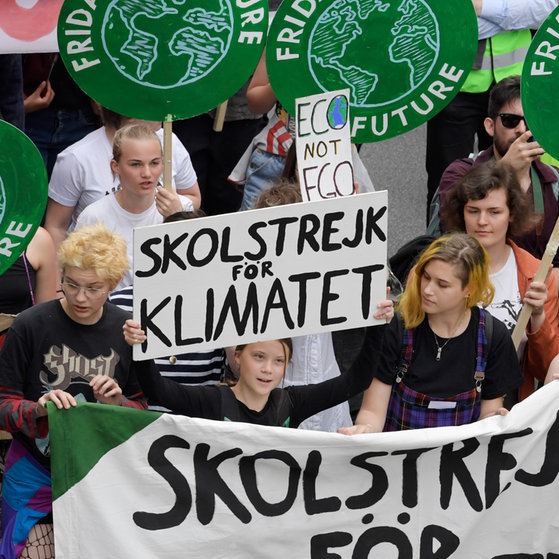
x=323 y=143
x=259 y=275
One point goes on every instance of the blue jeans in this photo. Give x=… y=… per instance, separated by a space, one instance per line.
x=263 y=170
x=53 y=130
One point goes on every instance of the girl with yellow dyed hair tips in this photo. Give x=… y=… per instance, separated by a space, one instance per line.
x=444 y=361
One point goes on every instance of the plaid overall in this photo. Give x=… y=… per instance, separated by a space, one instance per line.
x=409 y=409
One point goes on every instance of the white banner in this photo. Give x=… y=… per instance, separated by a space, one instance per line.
x=181 y=488
x=261 y=274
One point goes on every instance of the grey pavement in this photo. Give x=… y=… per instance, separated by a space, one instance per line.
x=398 y=165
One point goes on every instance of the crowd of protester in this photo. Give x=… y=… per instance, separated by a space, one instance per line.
x=445 y=355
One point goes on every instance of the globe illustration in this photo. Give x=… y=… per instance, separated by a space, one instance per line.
x=381 y=51
x=337 y=113
x=165 y=43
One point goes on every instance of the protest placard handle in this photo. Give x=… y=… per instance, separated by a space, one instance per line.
x=541 y=274
x=168 y=153
x=219 y=118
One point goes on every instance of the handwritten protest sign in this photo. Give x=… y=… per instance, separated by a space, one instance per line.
x=323 y=144
x=159 y=58
x=540 y=76
x=168 y=486
x=258 y=275
x=402 y=61
x=29 y=25
x=23 y=193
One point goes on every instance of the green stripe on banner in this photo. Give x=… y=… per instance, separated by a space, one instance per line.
x=115 y=425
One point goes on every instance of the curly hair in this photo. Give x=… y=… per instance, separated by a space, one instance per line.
x=94 y=247
x=472 y=266
x=476 y=185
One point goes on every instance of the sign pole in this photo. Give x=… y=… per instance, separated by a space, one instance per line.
x=168 y=153
x=541 y=274
x=220 y=116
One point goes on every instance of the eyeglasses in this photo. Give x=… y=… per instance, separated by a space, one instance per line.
x=510 y=120
x=74 y=289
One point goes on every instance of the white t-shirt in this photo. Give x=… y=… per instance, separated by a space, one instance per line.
x=82 y=173
x=108 y=211
x=507 y=303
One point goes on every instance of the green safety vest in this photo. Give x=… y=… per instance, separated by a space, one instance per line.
x=498 y=57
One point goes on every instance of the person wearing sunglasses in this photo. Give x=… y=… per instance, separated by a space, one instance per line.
x=504 y=35
x=64 y=351
x=513 y=143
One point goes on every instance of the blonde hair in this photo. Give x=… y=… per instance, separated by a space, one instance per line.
x=472 y=265
x=132 y=132
x=94 y=247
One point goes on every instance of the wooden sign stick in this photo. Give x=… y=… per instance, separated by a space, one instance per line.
x=541 y=274
x=168 y=153
x=219 y=118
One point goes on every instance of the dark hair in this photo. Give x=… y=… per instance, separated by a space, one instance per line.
x=182 y=215
x=504 y=92
x=111 y=119
x=290 y=166
x=476 y=185
x=284 y=191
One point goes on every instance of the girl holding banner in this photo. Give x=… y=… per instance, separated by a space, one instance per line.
x=64 y=351
x=444 y=361
x=256 y=397
x=489 y=204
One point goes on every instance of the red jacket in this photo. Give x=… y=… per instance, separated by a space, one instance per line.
x=543 y=344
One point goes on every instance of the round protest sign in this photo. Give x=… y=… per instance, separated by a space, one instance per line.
x=152 y=58
x=540 y=78
x=23 y=193
x=402 y=61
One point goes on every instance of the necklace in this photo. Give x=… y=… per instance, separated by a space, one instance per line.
x=441 y=347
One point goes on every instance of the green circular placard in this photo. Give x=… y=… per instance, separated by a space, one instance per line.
x=540 y=83
x=403 y=61
x=23 y=193
x=152 y=58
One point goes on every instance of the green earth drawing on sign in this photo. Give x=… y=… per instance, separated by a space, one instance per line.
x=406 y=40
x=337 y=113
x=141 y=35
